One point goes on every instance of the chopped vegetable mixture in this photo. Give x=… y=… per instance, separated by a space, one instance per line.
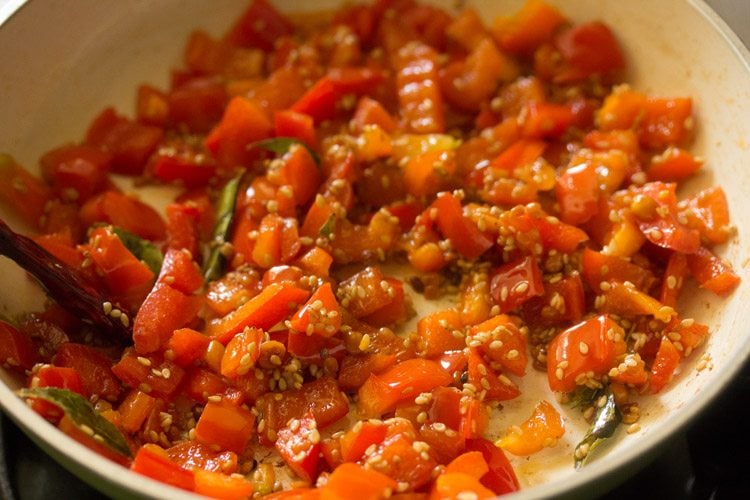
x=389 y=215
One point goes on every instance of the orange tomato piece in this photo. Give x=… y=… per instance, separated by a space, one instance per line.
x=542 y=429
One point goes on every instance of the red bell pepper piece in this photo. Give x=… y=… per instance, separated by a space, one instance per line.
x=514 y=283
x=299 y=446
x=406 y=380
x=153 y=461
x=461 y=231
x=165 y=310
x=262 y=311
x=226 y=425
x=130 y=143
x=259 y=26
x=243 y=123
x=16 y=349
x=93 y=367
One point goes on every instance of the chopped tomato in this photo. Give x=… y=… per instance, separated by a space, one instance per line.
x=501 y=478
x=407 y=379
x=590 y=346
x=527 y=29
x=542 y=429
x=226 y=425
x=130 y=143
x=514 y=283
x=711 y=272
x=16 y=349
x=153 y=461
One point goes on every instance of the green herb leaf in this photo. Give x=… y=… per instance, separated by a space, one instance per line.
x=83 y=415
x=327 y=228
x=584 y=396
x=280 y=145
x=141 y=248
x=607 y=418
x=214 y=265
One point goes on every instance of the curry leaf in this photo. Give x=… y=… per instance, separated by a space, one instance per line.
x=607 y=418
x=141 y=248
x=82 y=413
x=214 y=265
x=280 y=145
x=584 y=396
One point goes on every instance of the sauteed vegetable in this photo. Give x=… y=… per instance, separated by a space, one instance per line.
x=388 y=216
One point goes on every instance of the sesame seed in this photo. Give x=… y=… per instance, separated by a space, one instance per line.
x=215 y=398
x=144 y=361
x=107 y=307
x=583 y=347
x=633 y=428
x=365 y=342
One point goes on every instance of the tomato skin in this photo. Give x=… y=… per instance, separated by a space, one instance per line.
x=663 y=228
x=16 y=349
x=299 y=446
x=708 y=212
x=130 y=143
x=322 y=397
x=243 y=123
x=192 y=454
x=355 y=370
x=186 y=167
x=665 y=364
x=436 y=333
x=417 y=82
x=135 y=409
x=484 y=378
x=262 y=311
x=133 y=373
x=81 y=168
x=463 y=233
x=153 y=461
x=577 y=193
x=61 y=377
x=289 y=123
x=197 y=104
x=241 y=353
x=380 y=394
x=368 y=483
x=218 y=485
x=259 y=26
x=525 y=30
x=22 y=193
x=566 y=360
x=711 y=272
x=505 y=329
x=93 y=367
x=538 y=310
x=165 y=310
x=543 y=428
x=589 y=49
x=514 y=283
x=598 y=267
x=226 y=425
x=356 y=440
x=124 y=211
x=501 y=478
x=313 y=319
